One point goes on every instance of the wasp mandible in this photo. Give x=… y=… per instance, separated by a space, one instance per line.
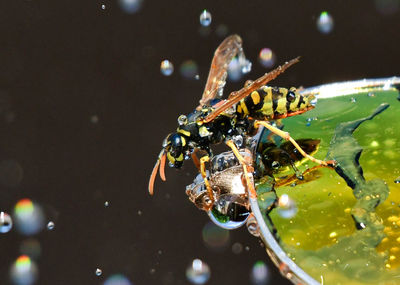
x=215 y=121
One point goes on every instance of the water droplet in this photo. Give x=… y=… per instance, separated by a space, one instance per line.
x=189 y=69
x=94 y=119
x=229 y=212
x=215 y=237
x=130 y=6
x=198 y=272
x=286 y=207
x=106 y=204
x=5 y=222
x=308 y=124
x=50 y=225
x=139 y=212
x=234 y=70
x=98 y=272
x=103 y=7
x=197 y=77
x=353 y=100
x=152 y=270
x=28 y=217
x=160 y=252
x=205 y=18
x=117 y=279
x=24 y=271
x=252 y=226
x=247 y=248
x=246 y=66
x=259 y=273
x=266 y=57
x=325 y=23
x=167 y=68
x=237 y=248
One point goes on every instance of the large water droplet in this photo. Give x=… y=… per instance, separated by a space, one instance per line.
x=229 y=212
x=198 y=272
x=24 y=271
x=28 y=217
x=325 y=23
x=166 y=68
x=5 y=222
x=205 y=18
x=266 y=58
x=286 y=207
x=259 y=273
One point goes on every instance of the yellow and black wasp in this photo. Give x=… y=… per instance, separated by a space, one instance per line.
x=215 y=121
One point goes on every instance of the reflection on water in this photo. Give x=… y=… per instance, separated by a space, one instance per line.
x=346 y=230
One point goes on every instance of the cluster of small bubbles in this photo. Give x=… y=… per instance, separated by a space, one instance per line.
x=50 y=225
x=325 y=23
x=387 y=7
x=259 y=273
x=28 y=217
x=166 y=68
x=24 y=271
x=117 y=279
x=30 y=247
x=221 y=30
x=353 y=100
x=237 y=248
x=252 y=226
x=266 y=57
x=103 y=7
x=189 y=69
x=98 y=272
x=5 y=222
x=106 y=204
x=130 y=6
x=286 y=207
x=198 y=272
x=205 y=18
x=215 y=237
x=94 y=119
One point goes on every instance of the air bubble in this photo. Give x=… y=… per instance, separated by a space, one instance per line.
x=205 y=18
x=325 y=23
x=50 y=225
x=286 y=207
x=198 y=272
x=5 y=223
x=259 y=273
x=266 y=57
x=166 y=68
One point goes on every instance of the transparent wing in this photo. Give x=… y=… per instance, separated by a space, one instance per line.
x=223 y=55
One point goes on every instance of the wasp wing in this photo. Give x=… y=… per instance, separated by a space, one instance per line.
x=223 y=55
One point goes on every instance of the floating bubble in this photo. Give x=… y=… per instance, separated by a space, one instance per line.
x=130 y=6
x=266 y=57
x=229 y=212
x=286 y=207
x=167 y=68
x=198 y=272
x=387 y=7
x=259 y=273
x=98 y=272
x=50 y=225
x=237 y=248
x=24 y=271
x=325 y=23
x=189 y=69
x=205 y=18
x=117 y=279
x=28 y=217
x=5 y=223
x=30 y=247
x=214 y=236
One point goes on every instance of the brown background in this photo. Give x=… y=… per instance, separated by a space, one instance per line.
x=62 y=62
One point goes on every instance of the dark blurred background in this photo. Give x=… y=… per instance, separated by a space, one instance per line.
x=84 y=109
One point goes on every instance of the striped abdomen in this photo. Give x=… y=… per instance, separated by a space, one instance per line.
x=268 y=103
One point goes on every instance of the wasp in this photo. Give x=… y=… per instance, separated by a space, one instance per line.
x=231 y=120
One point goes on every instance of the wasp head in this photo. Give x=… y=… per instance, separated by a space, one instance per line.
x=176 y=149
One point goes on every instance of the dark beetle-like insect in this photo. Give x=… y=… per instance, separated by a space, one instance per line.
x=232 y=120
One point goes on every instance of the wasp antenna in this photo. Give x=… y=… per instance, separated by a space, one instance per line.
x=162 y=166
x=153 y=177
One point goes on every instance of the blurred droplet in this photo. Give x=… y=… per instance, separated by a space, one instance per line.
x=98 y=272
x=266 y=58
x=215 y=237
x=198 y=272
x=50 y=225
x=103 y=7
x=106 y=204
x=189 y=69
x=94 y=119
x=24 y=271
x=11 y=173
x=234 y=70
x=286 y=207
x=229 y=211
x=237 y=248
x=205 y=18
x=197 y=77
x=259 y=273
x=167 y=68
x=117 y=279
x=5 y=222
x=152 y=270
x=30 y=247
x=387 y=7
x=28 y=217
x=130 y=6
x=325 y=23
x=221 y=30
x=139 y=212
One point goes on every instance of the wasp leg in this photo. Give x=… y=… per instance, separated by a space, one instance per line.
x=195 y=159
x=246 y=168
x=287 y=137
x=203 y=173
